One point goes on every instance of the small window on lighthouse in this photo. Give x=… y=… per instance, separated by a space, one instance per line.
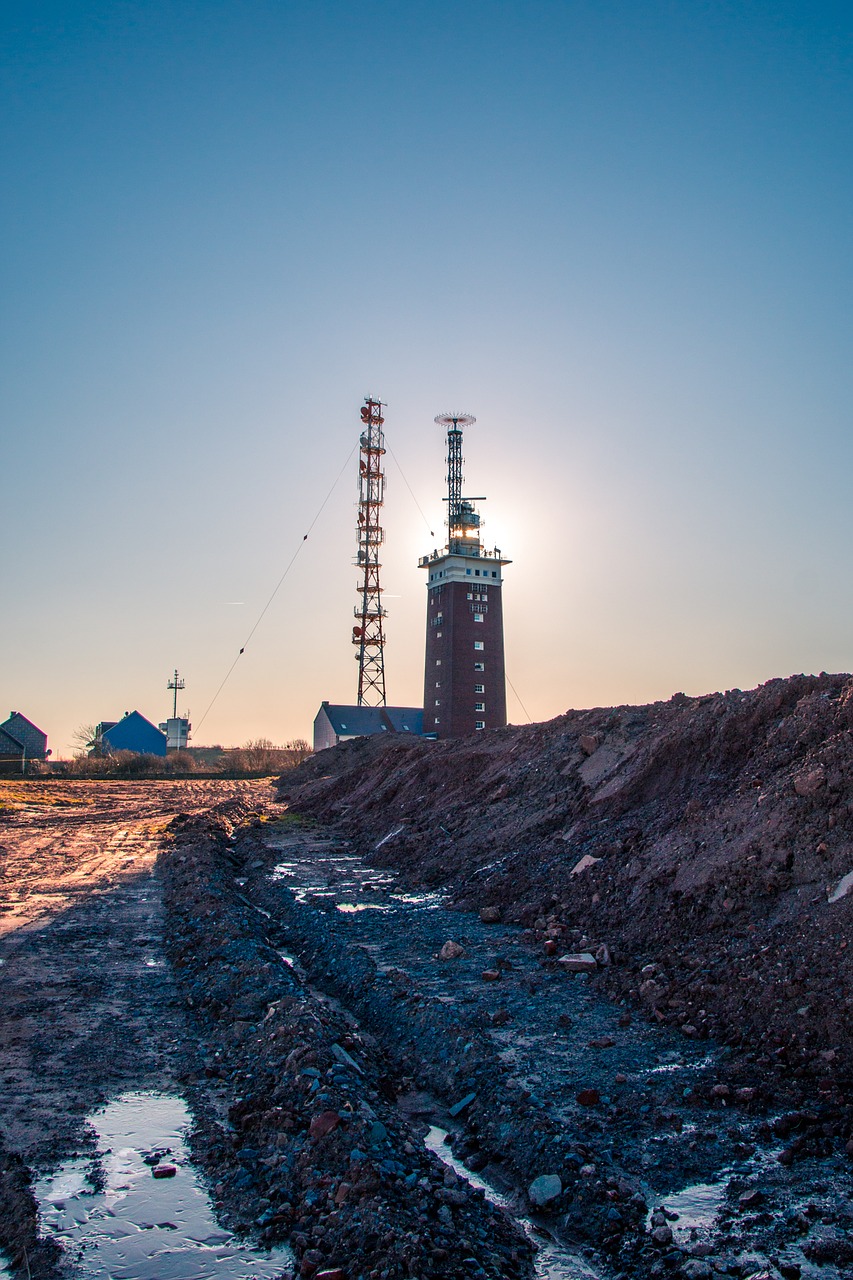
x=478 y=724
x=479 y=706
x=478 y=644
x=478 y=617
x=479 y=688
x=479 y=666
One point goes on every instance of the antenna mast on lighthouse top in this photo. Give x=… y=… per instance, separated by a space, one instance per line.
x=368 y=632
x=463 y=519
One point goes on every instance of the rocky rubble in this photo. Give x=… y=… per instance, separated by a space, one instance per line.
x=315 y=1152
x=443 y=1047
x=699 y=850
x=539 y=1076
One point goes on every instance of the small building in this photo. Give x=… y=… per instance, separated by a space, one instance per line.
x=335 y=723
x=21 y=739
x=177 y=731
x=132 y=733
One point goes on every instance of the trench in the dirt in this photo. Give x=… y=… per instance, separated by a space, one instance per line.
x=553 y=1260
x=546 y=1036
x=495 y=1062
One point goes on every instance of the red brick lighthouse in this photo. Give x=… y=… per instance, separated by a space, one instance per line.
x=464 y=676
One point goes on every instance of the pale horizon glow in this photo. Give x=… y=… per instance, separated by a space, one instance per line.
x=617 y=234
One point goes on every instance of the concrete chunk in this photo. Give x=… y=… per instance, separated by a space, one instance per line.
x=579 y=962
x=544 y=1189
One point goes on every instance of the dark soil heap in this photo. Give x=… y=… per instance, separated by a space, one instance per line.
x=703 y=841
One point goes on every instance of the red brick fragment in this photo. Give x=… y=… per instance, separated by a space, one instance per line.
x=324 y=1122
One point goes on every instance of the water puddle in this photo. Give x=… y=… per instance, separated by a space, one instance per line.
x=697 y=1208
x=551 y=1261
x=349 y=908
x=430 y=900
x=117 y=1221
x=5 y=1273
x=312 y=891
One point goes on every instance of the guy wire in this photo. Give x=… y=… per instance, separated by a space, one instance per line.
x=277 y=586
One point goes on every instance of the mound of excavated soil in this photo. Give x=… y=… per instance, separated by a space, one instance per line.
x=707 y=842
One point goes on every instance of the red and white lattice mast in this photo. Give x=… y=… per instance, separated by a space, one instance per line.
x=368 y=633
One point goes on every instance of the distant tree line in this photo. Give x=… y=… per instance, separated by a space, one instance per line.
x=259 y=756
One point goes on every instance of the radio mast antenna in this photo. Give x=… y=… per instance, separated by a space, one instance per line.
x=368 y=634
x=463 y=521
x=175 y=684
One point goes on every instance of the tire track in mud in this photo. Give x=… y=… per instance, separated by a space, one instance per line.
x=666 y=1121
x=329 y=1164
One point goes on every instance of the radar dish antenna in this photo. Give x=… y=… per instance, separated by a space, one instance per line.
x=454 y=420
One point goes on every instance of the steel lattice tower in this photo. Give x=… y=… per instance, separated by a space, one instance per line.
x=462 y=519
x=454 y=464
x=368 y=633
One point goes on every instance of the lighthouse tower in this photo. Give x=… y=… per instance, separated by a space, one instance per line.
x=464 y=675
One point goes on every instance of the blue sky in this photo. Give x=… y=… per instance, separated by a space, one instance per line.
x=618 y=233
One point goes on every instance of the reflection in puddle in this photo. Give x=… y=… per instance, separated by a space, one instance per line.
x=430 y=900
x=551 y=1262
x=349 y=907
x=312 y=891
x=696 y=1206
x=136 y=1226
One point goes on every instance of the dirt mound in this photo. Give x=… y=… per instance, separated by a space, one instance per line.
x=701 y=848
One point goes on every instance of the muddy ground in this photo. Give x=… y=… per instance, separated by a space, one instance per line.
x=276 y=959
x=88 y=1006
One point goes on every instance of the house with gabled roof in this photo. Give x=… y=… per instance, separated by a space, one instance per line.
x=22 y=739
x=132 y=733
x=335 y=723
